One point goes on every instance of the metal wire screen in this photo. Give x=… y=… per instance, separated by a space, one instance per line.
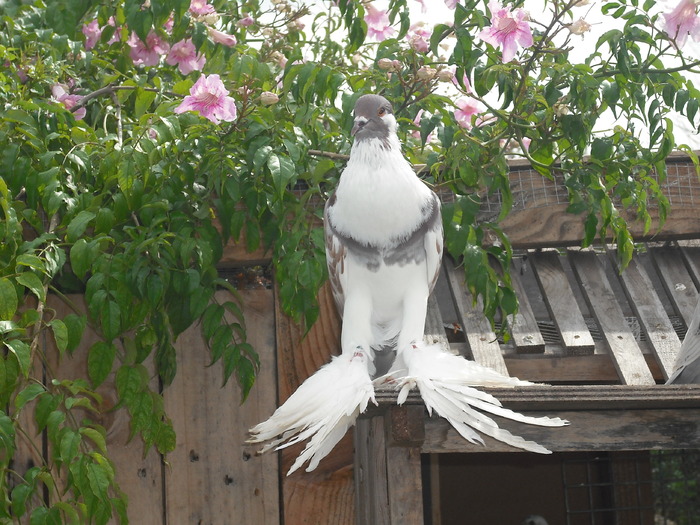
x=532 y=190
x=646 y=488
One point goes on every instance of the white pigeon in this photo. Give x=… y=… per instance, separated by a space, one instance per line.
x=687 y=366
x=384 y=247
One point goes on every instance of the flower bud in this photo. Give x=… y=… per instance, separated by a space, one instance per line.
x=579 y=27
x=426 y=73
x=268 y=98
x=385 y=63
x=445 y=75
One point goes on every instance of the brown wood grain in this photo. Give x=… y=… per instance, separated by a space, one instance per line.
x=213 y=476
x=327 y=494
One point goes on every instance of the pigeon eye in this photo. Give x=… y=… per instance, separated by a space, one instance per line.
x=381 y=112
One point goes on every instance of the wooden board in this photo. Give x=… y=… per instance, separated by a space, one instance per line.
x=652 y=316
x=594 y=430
x=213 y=475
x=526 y=334
x=327 y=494
x=388 y=480
x=561 y=303
x=482 y=341
x=677 y=281
x=627 y=356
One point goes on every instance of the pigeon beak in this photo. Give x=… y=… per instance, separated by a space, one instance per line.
x=359 y=124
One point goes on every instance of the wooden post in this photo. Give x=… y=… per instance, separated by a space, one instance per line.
x=388 y=482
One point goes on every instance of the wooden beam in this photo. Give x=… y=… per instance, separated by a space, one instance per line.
x=482 y=341
x=561 y=303
x=526 y=334
x=648 y=308
x=627 y=356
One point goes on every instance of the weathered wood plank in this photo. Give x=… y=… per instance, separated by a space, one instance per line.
x=590 y=430
x=327 y=493
x=434 y=329
x=213 y=474
x=526 y=334
x=554 y=368
x=404 y=485
x=576 y=397
x=561 y=303
x=627 y=356
x=139 y=477
x=482 y=341
x=371 y=488
x=651 y=314
x=676 y=280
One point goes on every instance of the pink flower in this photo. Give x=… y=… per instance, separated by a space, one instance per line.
x=116 y=37
x=451 y=4
x=60 y=95
x=221 y=38
x=246 y=21
x=92 y=32
x=681 y=22
x=169 y=24
x=201 y=8
x=378 y=25
x=419 y=38
x=148 y=53
x=468 y=107
x=184 y=54
x=508 y=29
x=416 y=133
x=423 y=7
x=210 y=99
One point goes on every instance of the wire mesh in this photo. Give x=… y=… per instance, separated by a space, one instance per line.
x=640 y=488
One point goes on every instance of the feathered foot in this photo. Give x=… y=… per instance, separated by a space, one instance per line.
x=446 y=382
x=322 y=409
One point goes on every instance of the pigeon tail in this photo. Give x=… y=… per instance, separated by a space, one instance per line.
x=321 y=410
x=446 y=383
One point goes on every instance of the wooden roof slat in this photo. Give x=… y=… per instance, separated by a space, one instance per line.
x=649 y=309
x=691 y=255
x=434 y=329
x=561 y=303
x=526 y=334
x=627 y=356
x=483 y=342
x=677 y=281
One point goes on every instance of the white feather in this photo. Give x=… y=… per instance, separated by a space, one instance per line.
x=321 y=410
x=446 y=382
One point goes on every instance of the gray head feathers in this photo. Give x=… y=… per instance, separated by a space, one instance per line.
x=374 y=118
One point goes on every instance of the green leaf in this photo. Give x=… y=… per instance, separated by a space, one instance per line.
x=33 y=282
x=60 y=334
x=77 y=226
x=100 y=362
x=110 y=320
x=22 y=352
x=97 y=437
x=8 y=299
x=31 y=391
x=75 y=325
x=70 y=442
x=80 y=259
x=283 y=172
x=144 y=99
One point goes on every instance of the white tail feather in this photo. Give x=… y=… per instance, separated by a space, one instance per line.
x=322 y=409
x=446 y=382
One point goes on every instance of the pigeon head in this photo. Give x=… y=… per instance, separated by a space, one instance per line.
x=374 y=118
